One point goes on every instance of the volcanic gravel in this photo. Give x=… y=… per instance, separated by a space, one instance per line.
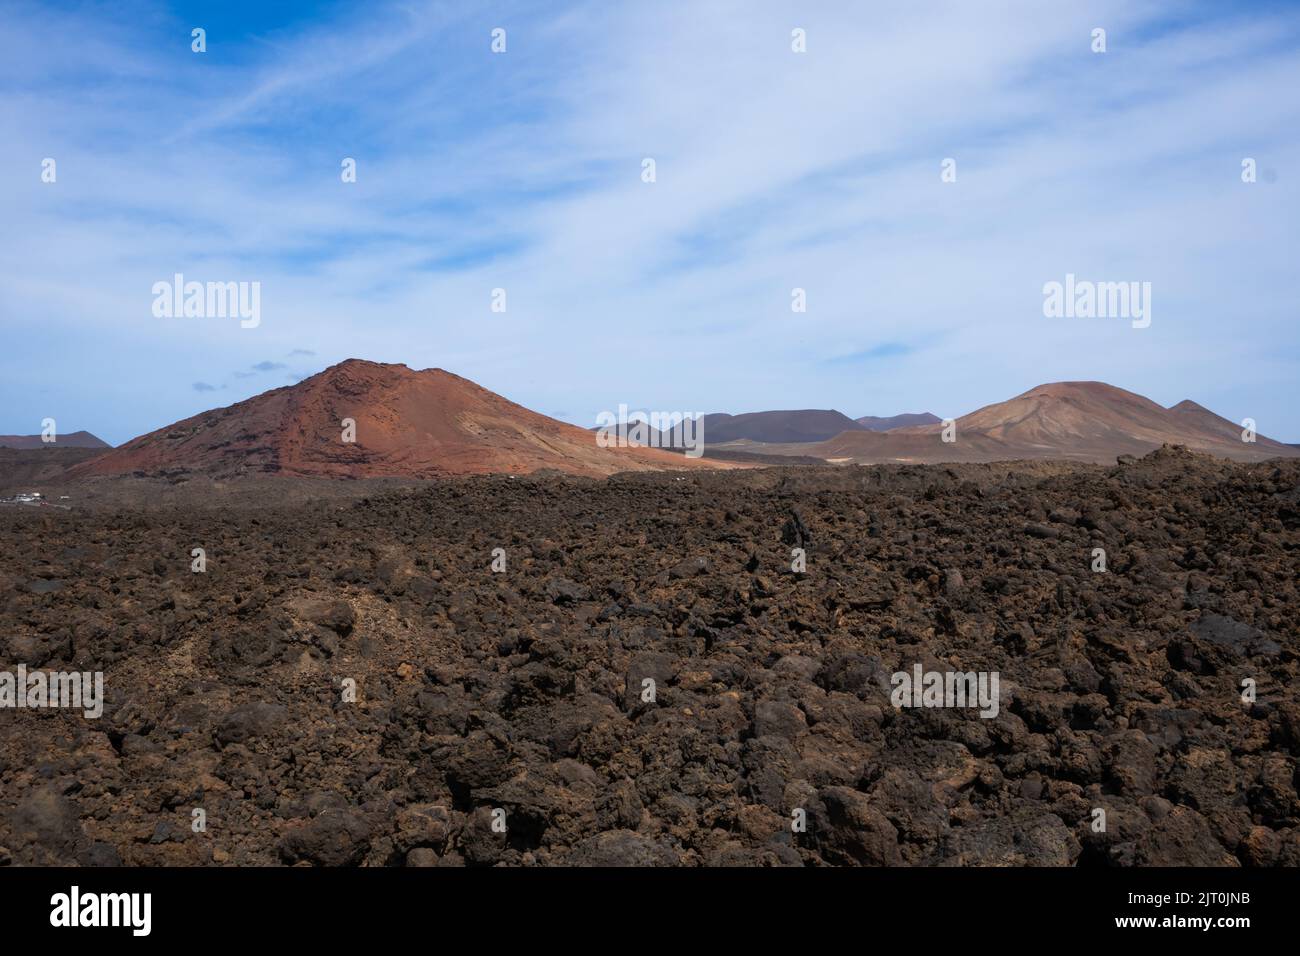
x=517 y=697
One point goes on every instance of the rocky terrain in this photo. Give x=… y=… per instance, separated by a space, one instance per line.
x=520 y=696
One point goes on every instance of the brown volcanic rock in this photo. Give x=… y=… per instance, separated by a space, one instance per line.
x=1079 y=421
x=409 y=424
x=522 y=690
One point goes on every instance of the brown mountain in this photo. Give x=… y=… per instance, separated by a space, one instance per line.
x=70 y=440
x=1082 y=421
x=876 y=424
x=409 y=424
x=1206 y=420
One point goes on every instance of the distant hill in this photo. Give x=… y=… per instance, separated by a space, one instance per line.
x=874 y=424
x=1206 y=420
x=806 y=425
x=1082 y=421
x=70 y=440
x=22 y=469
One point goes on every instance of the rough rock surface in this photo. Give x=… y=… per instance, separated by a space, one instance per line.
x=648 y=682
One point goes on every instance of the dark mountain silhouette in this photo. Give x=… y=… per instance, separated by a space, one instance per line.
x=70 y=440
x=778 y=426
x=874 y=424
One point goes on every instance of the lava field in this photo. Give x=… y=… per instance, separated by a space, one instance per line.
x=551 y=670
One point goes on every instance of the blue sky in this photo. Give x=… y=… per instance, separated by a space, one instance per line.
x=522 y=171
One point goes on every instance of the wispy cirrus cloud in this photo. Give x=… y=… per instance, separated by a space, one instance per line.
x=876 y=353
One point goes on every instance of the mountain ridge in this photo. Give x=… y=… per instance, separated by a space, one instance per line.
x=877 y=424
x=433 y=423
x=1080 y=421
